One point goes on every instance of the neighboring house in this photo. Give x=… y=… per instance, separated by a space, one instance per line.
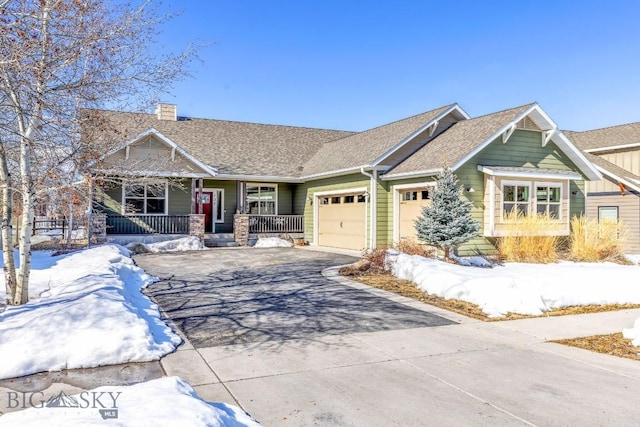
x=340 y=189
x=615 y=152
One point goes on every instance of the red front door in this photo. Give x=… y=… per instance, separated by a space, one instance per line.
x=207 y=209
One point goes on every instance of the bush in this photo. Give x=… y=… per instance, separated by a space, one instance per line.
x=593 y=241
x=373 y=263
x=526 y=240
x=410 y=247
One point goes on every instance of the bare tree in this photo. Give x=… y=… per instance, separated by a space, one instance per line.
x=56 y=58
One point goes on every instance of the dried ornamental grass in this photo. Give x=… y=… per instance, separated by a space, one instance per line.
x=528 y=239
x=410 y=247
x=593 y=241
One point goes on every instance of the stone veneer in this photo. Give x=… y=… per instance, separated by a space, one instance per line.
x=196 y=226
x=98 y=228
x=241 y=229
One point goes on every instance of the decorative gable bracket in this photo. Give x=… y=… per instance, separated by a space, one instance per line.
x=547 y=135
x=508 y=132
x=432 y=128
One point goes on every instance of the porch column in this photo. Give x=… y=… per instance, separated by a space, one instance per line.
x=193 y=195
x=241 y=191
x=200 y=188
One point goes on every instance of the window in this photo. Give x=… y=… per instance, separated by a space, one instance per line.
x=324 y=200
x=335 y=200
x=362 y=198
x=349 y=199
x=607 y=213
x=262 y=199
x=145 y=198
x=409 y=195
x=515 y=198
x=548 y=199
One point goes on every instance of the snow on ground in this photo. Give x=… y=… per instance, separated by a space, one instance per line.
x=190 y=243
x=634 y=258
x=162 y=402
x=272 y=242
x=86 y=309
x=521 y=288
x=633 y=333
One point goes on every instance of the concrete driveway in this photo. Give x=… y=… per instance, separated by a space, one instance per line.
x=240 y=296
x=268 y=332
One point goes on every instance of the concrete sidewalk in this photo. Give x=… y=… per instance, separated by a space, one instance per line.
x=470 y=373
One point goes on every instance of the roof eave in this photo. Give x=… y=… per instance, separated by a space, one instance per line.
x=613 y=148
x=626 y=182
x=413 y=174
x=263 y=178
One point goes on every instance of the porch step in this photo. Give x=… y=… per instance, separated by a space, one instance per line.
x=219 y=240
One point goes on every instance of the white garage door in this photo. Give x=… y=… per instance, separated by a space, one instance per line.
x=341 y=221
x=411 y=203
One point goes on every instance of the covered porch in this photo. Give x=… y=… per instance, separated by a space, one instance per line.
x=166 y=206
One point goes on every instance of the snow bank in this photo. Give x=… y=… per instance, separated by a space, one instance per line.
x=521 y=288
x=272 y=242
x=86 y=310
x=191 y=243
x=633 y=333
x=162 y=402
x=634 y=258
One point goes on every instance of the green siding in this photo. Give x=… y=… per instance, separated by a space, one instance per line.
x=110 y=200
x=523 y=149
x=180 y=198
x=306 y=190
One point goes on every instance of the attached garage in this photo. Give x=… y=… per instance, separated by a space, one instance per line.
x=409 y=202
x=341 y=220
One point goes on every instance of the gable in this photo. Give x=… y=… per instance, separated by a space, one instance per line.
x=524 y=149
x=150 y=154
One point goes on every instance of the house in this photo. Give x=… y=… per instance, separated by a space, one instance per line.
x=351 y=190
x=615 y=152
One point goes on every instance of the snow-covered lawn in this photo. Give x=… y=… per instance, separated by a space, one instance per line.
x=85 y=310
x=162 y=402
x=522 y=288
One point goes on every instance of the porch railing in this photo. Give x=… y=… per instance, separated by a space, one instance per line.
x=147 y=224
x=276 y=224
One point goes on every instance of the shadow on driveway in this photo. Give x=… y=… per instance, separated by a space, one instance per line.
x=222 y=297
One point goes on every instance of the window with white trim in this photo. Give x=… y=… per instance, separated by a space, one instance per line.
x=607 y=214
x=145 y=199
x=515 y=198
x=548 y=200
x=262 y=199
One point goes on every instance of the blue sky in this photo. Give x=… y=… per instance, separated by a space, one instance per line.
x=356 y=65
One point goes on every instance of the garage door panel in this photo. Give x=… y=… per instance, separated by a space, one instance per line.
x=342 y=225
x=410 y=210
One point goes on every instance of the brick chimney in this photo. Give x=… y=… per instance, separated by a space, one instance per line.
x=167 y=112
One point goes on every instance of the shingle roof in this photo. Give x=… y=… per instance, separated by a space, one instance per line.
x=233 y=147
x=365 y=147
x=606 y=137
x=615 y=170
x=455 y=143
